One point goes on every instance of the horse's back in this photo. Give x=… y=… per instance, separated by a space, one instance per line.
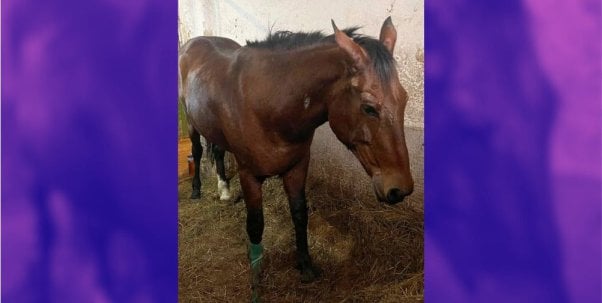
x=208 y=43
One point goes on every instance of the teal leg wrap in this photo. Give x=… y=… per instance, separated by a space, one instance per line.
x=255 y=297
x=255 y=257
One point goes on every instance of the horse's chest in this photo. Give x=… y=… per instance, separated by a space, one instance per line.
x=270 y=160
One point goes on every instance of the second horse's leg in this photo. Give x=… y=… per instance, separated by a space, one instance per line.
x=197 y=152
x=223 y=185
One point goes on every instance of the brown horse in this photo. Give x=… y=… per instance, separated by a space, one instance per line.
x=263 y=102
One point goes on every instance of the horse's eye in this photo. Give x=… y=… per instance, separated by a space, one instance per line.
x=369 y=110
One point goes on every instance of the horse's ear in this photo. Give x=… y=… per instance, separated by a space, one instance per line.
x=353 y=49
x=388 y=35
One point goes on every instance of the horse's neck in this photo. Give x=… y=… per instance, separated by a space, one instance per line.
x=310 y=74
x=314 y=68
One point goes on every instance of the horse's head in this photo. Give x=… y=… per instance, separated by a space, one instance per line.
x=366 y=112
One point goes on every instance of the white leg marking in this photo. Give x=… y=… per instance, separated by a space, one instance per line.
x=222 y=188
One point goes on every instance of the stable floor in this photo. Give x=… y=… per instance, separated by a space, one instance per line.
x=369 y=252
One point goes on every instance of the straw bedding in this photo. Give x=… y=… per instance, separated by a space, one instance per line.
x=369 y=252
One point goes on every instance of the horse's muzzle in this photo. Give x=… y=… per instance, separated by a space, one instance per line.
x=396 y=195
x=392 y=195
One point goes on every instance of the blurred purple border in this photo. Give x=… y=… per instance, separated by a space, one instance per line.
x=89 y=189
x=513 y=144
x=513 y=148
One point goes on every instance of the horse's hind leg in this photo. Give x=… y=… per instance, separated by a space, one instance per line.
x=223 y=184
x=294 y=185
x=197 y=152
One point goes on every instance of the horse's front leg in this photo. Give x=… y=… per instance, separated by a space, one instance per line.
x=294 y=185
x=251 y=189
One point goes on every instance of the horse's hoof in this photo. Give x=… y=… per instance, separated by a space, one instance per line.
x=196 y=194
x=310 y=274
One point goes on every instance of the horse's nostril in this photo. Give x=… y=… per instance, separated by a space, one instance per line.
x=394 y=196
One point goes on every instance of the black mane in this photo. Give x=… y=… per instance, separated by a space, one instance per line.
x=287 y=40
x=382 y=60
